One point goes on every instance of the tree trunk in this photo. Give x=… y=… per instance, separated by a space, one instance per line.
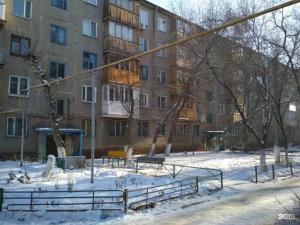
x=262 y=156
x=276 y=145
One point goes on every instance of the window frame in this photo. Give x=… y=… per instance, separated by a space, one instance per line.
x=24 y=10
x=57 y=70
x=84 y=90
x=159 y=105
x=89 y=53
x=57 y=34
x=18 y=89
x=221 y=109
x=146 y=105
x=161 y=20
x=14 y=127
x=90 y=2
x=60 y=3
x=142 y=75
x=160 y=80
x=146 y=16
x=90 y=28
x=141 y=126
x=20 y=38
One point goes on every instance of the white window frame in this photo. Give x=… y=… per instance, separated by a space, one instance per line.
x=14 y=126
x=292 y=107
x=24 y=10
x=142 y=46
x=146 y=98
x=92 y=2
x=144 y=18
x=161 y=24
x=159 y=102
x=222 y=109
x=163 y=52
x=88 y=31
x=160 y=72
x=19 y=91
x=85 y=87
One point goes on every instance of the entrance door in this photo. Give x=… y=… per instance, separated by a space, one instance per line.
x=51 y=146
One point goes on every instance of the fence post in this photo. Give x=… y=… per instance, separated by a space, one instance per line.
x=93 y=204
x=255 y=168
x=31 y=201
x=197 y=184
x=136 y=167
x=125 y=199
x=273 y=171
x=1 y=198
x=291 y=168
x=222 y=180
x=174 y=171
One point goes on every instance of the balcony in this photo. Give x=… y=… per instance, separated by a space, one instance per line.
x=115 y=75
x=188 y=114
x=122 y=15
x=2 y=14
x=234 y=117
x=120 y=46
x=115 y=102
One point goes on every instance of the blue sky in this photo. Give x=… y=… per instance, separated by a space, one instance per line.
x=161 y=3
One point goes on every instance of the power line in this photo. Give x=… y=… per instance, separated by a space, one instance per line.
x=178 y=42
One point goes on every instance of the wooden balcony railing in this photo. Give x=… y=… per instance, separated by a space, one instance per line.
x=113 y=74
x=188 y=113
x=234 y=117
x=123 y=15
x=119 y=45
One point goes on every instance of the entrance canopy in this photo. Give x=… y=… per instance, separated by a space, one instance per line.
x=48 y=131
x=45 y=131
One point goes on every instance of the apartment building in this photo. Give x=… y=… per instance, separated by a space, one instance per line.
x=70 y=37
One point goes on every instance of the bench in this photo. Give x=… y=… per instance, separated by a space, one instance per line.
x=153 y=160
x=117 y=154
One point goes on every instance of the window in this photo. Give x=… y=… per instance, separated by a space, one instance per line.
x=120 y=31
x=92 y=2
x=59 y=4
x=163 y=52
x=210 y=118
x=161 y=102
x=221 y=89
x=58 y=35
x=87 y=93
x=86 y=124
x=234 y=130
x=17 y=84
x=60 y=107
x=117 y=127
x=143 y=44
x=162 y=77
x=126 y=4
x=182 y=130
x=183 y=27
x=161 y=24
x=221 y=109
x=292 y=107
x=57 y=70
x=143 y=72
x=237 y=53
x=89 y=28
x=19 y=45
x=143 y=100
x=143 y=128
x=22 y=8
x=14 y=126
x=196 y=130
x=144 y=18
x=89 y=60
x=209 y=96
x=162 y=129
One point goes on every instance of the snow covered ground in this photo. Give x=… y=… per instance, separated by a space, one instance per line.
x=237 y=167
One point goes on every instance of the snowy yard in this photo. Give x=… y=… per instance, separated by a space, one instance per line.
x=238 y=170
